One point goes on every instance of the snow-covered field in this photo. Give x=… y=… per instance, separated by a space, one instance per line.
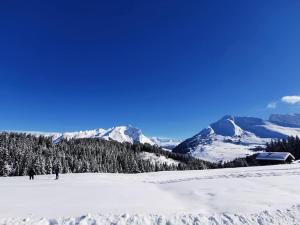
x=256 y=195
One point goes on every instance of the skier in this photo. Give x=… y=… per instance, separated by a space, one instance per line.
x=31 y=173
x=56 y=170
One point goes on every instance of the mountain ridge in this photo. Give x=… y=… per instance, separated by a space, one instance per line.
x=125 y=133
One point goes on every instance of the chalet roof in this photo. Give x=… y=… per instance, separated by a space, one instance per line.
x=279 y=156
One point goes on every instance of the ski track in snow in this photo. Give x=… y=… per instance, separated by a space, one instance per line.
x=253 y=195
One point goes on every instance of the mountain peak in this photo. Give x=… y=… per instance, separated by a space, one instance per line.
x=226 y=126
x=126 y=134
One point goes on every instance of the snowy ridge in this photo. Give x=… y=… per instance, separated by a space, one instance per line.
x=234 y=137
x=84 y=134
x=126 y=134
x=120 y=134
x=287 y=120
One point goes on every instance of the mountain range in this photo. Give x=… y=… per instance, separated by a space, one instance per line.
x=224 y=140
x=121 y=134
x=232 y=137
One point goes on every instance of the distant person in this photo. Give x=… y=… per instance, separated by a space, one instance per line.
x=31 y=173
x=56 y=170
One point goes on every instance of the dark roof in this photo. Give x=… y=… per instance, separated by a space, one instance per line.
x=278 y=156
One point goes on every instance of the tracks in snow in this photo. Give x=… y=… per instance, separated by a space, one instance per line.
x=254 y=173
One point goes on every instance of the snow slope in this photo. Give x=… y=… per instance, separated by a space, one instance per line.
x=233 y=137
x=256 y=195
x=158 y=159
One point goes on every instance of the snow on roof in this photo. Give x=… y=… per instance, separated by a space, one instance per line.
x=280 y=156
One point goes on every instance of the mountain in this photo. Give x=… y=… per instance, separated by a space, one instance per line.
x=81 y=134
x=126 y=134
x=165 y=143
x=233 y=137
x=120 y=134
x=286 y=120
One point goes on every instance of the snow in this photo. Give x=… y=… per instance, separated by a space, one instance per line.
x=126 y=134
x=84 y=134
x=158 y=159
x=226 y=127
x=253 y=195
x=288 y=131
x=281 y=156
x=221 y=151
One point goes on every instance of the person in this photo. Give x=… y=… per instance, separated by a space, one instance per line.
x=56 y=172
x=31 y=173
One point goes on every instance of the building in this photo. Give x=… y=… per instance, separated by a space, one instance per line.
x=271 y=158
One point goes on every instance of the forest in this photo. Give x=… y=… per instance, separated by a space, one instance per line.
x=20 y=152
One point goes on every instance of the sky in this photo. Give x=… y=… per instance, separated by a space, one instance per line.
x=168 y=67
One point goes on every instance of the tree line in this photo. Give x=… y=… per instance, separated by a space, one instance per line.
x=20 y=152
x=291 y=145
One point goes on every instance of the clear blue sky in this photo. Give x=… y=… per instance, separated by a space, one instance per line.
x=167 y=67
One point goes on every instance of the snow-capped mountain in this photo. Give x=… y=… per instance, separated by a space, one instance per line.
x=81 y=134
x=126 y=134
x=233 y=137
x=166 y=143
x=120 y=134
